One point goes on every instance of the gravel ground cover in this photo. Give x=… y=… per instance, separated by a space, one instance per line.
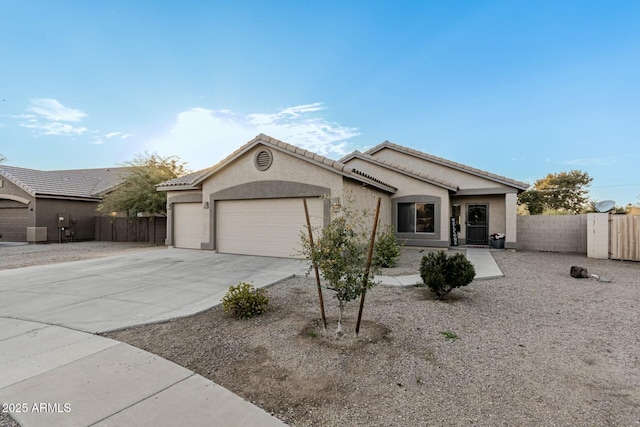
x=536 y=347
x=29 y=255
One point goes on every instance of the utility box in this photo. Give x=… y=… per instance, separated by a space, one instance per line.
x=64 y=220
x=36 y=234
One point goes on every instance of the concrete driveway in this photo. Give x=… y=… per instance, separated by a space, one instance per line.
x=106 y=294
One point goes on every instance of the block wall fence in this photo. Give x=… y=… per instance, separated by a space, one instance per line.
x=552 y=233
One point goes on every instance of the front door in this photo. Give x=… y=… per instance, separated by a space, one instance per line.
x=477 y=225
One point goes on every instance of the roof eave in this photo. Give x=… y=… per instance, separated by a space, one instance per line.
x=453 y=165
x=179 y=187
x=18 y=183
x=366 y=158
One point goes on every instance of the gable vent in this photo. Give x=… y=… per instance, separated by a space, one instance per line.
x=263 y=160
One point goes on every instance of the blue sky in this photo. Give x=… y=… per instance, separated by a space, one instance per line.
x=516 y=88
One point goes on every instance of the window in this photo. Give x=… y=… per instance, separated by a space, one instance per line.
x=416 y=218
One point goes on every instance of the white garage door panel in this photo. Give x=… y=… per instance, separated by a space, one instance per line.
x=187 y=225
x=267 y=227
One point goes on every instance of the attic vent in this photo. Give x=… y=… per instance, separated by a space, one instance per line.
x=263 y=160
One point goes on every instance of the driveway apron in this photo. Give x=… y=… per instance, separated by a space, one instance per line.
x=55 y=373
x=107 y=294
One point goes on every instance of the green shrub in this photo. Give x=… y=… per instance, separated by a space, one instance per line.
x=386 y=250
x=442 y=273
x=243 y=301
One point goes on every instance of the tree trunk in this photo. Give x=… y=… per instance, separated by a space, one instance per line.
x=339 y=330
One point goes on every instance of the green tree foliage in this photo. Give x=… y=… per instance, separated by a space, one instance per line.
x=443 y=273
x=340 y=252
x=137 y=193
x=244 y=301
x=386 y=250
x=565 y=192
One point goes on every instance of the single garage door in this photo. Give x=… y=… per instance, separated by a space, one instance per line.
x=13 y=223
x=187 y=225
x=267 y=227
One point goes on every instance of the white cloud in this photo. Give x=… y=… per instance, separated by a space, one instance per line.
x=202 y=137
x=53 y=128
x=51 y=109
x=595 y=161
x=118 y=135
x=48 y=116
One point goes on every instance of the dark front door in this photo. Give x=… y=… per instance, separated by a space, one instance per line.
x=477 y=225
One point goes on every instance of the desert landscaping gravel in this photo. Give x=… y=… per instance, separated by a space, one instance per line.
x=536 y=347
x=28 y=255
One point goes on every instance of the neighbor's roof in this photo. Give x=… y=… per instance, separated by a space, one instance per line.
x=402 y=169
x=444 y=162
x=76 y=183
x=193 y=181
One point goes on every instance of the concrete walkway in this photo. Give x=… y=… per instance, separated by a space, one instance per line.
x=484 y=264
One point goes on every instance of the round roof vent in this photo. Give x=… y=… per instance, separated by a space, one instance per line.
x=263 y=159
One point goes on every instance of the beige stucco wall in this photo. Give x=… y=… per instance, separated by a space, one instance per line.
x=462 y=179
x=285 y=167
x=497 y=216
x=367 y=198
x=511 y=220
x=408 y=186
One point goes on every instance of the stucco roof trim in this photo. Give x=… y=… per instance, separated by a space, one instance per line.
x=275 y=144
x=454 y=165
x=403 y=170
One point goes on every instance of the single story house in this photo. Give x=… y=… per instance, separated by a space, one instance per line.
x=251 y=201
x=41 y=206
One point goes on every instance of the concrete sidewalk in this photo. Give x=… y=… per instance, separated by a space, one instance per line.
x=62 y=377
x=484 y=264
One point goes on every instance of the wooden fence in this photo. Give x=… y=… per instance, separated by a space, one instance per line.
x=624 y=237
x=118 y=229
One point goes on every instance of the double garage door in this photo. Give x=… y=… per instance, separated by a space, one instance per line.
x=13 y=224
x=266 y=227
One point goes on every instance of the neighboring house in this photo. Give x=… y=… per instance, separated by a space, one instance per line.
x=32 y=201
x=251 y=202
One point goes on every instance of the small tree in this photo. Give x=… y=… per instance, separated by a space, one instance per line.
x=443 y=273
x=564 y=191
x=137 y=193
x=340 y=253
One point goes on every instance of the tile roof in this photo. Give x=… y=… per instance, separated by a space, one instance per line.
x=403 y=170
x=193 y=180
x=188 y=180
x=454 y=165
x=77 y=183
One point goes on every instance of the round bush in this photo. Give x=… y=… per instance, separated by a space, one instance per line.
x=243 y=301
x=442 y=273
